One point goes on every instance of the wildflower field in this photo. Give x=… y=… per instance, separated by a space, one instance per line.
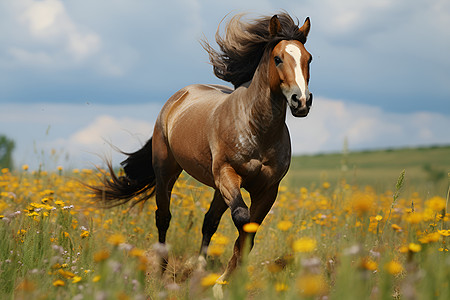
x=330 y=240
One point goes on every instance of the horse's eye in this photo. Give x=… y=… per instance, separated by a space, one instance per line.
x=277 y=60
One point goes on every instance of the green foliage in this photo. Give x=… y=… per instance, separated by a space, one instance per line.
x=426 y=169
x=6 y=149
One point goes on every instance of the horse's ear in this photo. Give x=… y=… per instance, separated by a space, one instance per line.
x=274 y=26
x=305 y=27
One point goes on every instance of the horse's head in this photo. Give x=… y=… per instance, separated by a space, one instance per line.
x=289 y=69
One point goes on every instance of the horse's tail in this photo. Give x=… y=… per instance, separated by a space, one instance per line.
x=138 y=184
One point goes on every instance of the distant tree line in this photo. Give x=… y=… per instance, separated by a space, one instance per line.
x=6 y=149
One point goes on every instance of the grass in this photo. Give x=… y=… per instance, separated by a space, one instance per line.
x=333 y=233
x=426 y=169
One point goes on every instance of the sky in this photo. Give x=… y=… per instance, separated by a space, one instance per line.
x=78 y=76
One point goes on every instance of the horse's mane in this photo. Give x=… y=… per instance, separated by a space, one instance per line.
x=244 y=43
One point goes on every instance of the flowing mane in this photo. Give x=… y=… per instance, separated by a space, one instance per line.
x=244 y=43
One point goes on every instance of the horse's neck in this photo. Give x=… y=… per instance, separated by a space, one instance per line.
x=266 y=110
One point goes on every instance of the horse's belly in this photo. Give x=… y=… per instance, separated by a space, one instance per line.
x=187 y=134
x=196 y=162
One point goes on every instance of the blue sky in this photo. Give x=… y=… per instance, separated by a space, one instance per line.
x=380 y=74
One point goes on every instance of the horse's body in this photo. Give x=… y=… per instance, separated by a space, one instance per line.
x=227 y=139
x=223 y=135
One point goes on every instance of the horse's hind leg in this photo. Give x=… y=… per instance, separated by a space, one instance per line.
x=211 y=221
x=167 y=171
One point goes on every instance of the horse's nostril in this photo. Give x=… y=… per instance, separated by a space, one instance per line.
x=309 y=102
x=294 y=97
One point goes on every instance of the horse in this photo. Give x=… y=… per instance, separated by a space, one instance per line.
x=225 y=138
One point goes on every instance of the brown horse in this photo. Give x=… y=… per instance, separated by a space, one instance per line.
x=227 y=139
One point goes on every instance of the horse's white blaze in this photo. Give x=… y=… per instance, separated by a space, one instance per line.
x=295 y=52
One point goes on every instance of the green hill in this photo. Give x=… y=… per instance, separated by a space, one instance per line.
x=426 y=169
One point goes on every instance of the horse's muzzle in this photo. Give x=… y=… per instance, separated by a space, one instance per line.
x=302 y=111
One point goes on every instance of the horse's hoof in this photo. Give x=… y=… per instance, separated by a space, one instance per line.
x=161 y=249
x=201 y=263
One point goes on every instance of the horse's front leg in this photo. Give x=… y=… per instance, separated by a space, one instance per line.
x=262 y=202
x=229 y=184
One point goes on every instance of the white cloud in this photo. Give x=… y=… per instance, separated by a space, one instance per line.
x=368 y=47
x=102 y=138
x=48 y=22
x=330 y=122
x=43 y=17
x=117 y=130
x=82 y=45
x=30 y=57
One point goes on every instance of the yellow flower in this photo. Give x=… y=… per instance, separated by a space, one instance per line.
x=66 y=274
x=284 y=225
x=414 y=247
x=220 y=239
x=32 y=214
x=378 y=218
x=326 y=185
x=311 y=285
x=76 y=279
x=436 y=203
x=56 y=266
x=215 y=250
x=101 y=255
x=394 y=267
x=362 y=203
x=444 y=232
x=281 y=287
x=137 y=252
x=5 y=170
x=251 y=227
x=304 y=244
x=210 y=279
x=430 y=238
x=369 y=264
x=116 y=239
x=25 y=167
x=60 y=168
x=58 y=282
x=414 y=218
x=84 y=233
x=396 y=227
x=96 y=278
x=59 y=203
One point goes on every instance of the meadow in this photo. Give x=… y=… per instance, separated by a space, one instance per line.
x=367 y=225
